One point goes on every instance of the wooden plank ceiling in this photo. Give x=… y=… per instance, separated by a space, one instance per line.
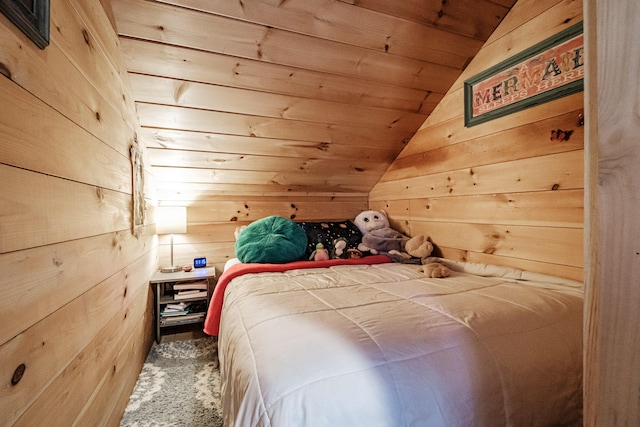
x=275 y=97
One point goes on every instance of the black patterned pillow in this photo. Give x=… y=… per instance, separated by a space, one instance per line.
x=328 y=232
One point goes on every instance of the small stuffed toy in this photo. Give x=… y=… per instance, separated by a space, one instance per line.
x=379 y=237
x=434 y=270
x=239 y=230
x=354 y=253
x=320 y=254
x=339 y=249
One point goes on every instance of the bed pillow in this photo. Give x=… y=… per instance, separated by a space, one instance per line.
x=271 y=240
x=327 y=232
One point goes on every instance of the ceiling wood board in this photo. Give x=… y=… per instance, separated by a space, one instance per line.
x=301 y=97
x=247 y=145
x=167 y=91
x=331 y=20
x=200 y=66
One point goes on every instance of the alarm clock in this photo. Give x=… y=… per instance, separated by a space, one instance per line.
x=199 y=262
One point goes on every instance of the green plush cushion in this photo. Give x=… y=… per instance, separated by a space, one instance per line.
x=271 y=240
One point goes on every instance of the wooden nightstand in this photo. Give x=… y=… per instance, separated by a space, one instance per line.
x=182 y=298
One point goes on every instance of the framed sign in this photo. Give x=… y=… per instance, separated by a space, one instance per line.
x=31 y=16
x=549 y=70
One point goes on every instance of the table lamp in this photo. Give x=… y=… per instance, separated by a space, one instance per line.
x=171 y=220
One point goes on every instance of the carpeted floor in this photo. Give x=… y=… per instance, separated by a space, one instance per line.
x=179 y=386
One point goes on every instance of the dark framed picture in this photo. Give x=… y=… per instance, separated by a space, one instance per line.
x=549 y=70
x=31 y=16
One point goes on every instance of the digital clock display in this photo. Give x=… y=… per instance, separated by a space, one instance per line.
x=199 y=262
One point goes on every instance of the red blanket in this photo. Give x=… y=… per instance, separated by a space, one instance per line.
x=212 y=322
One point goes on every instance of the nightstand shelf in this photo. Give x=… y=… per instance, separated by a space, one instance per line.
x=172 y=301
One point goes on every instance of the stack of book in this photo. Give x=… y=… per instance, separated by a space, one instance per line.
x=187 y=304
x=190 y=290
x=180 y=309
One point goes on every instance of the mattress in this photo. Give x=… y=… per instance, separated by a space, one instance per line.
x=383 y=345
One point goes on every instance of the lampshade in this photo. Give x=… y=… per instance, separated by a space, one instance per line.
x=171 y=220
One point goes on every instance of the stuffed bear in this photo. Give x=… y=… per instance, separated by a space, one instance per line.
x=379 y=237
x=434 y=269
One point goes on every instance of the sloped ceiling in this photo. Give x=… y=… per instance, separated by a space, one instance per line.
x=273 y=97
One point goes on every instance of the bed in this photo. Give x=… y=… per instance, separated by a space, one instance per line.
x=373 y=343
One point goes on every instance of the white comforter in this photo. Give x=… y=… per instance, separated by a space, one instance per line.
x=382 y=345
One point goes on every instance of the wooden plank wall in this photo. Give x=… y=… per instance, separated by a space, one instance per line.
x=612 y=294
x=74 y=285
x=502 y=192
